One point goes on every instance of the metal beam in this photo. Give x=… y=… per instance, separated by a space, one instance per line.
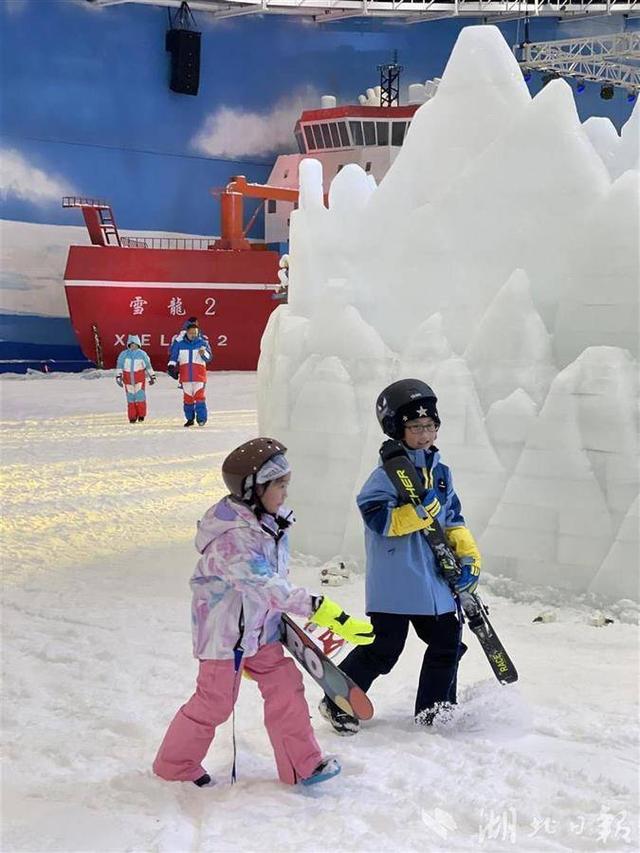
x=414 y=11
x=600 y=59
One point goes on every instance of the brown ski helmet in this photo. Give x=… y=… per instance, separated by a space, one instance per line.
x=247 y=460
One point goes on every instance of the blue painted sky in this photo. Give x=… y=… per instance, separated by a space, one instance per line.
x=86 y=108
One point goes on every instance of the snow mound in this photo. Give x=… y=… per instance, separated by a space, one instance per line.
x=498 y=262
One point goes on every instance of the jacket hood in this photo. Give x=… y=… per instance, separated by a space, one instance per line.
x=226 y=515
x=231 y=514
x=134 y=339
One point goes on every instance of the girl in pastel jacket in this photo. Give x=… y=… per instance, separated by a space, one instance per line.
x=132 y=369
x=240 y=589
x=240 y=585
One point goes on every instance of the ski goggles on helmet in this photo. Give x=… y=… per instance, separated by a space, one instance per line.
x=277 y=466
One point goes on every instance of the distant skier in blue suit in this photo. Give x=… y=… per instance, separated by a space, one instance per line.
x=188 y=359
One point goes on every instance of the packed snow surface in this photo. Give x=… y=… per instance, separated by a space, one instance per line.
x=98 y=522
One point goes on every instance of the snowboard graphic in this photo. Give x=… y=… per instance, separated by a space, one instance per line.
x=338 y=686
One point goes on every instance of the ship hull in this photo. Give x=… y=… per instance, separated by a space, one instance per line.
x=113 y=292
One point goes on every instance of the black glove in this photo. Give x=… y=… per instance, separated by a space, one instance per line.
x=172 y=370
x=119 y=381
x=152 y=380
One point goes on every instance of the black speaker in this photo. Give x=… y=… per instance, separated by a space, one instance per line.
x=184 y=47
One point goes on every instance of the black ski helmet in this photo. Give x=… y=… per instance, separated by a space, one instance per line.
x=404 y=401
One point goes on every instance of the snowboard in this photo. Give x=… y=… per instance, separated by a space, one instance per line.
x=339 y=687
x=410 y=488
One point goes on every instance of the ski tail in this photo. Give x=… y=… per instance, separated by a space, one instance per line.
x=477 y=617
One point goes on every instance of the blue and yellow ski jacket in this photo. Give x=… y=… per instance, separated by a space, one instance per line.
x=402 y=573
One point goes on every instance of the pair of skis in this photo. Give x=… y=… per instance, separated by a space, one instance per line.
x=410 y=488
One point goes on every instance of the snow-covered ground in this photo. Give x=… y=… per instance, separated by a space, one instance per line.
x=98 y=520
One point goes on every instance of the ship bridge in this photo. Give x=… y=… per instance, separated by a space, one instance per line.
x=352 y=127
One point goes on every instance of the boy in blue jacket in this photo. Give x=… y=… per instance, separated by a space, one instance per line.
x=403 y=582
x=188 y=359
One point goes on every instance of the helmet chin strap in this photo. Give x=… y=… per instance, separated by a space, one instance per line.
x=254 y=502
x=258 y=507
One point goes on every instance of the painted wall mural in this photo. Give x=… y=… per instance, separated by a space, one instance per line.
x=86 y=110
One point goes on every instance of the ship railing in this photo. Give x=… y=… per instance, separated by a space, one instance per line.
x=197 y=243
x=79 y=201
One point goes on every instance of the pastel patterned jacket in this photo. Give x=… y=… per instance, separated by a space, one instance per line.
x=240 y=586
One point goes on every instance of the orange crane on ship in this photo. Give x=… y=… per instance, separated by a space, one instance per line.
x=232 y=229
x=103 y=231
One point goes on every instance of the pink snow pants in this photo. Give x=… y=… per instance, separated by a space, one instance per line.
x=286 y=717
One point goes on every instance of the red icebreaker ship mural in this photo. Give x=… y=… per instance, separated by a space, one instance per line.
x=148 y=287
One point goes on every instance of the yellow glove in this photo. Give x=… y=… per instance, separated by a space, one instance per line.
x=330 y=615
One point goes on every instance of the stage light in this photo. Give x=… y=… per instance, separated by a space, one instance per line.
x=606 y=92
x=631 y=96
x=548 y=76
x=580 y=88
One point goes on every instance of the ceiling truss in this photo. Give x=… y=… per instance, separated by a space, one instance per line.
x=607 y=59
x=413 y=11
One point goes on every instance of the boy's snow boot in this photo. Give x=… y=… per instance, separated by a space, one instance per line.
x=344 y=724
x=133 y=420
x=140 y=418
x=327 y=769
x=201 y=422
x=189 y=422
x=441 y=711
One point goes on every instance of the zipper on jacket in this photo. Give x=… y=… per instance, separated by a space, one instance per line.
x=238 y=651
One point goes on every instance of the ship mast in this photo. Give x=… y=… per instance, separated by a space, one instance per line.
x=390 y=82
